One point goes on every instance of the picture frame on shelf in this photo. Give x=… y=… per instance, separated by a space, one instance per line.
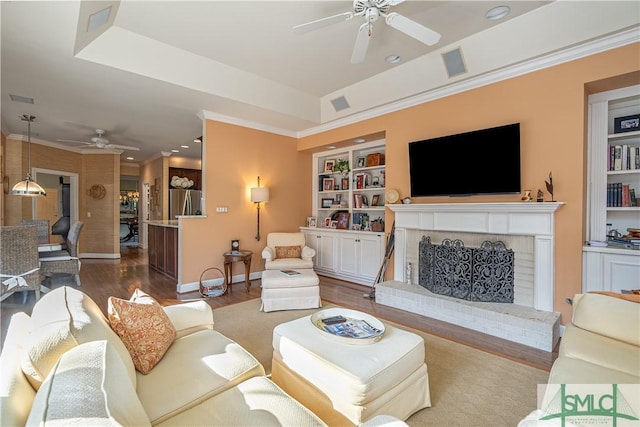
x=345 y=183
x=334 y=224
x=626 y=124
x=329 y=164
x=327 y=184
x=326 y=203
x=343 y=221
x=311 y=222
x=360 y=162
x=375 y=200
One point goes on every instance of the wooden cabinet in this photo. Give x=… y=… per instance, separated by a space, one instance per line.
x=354 y=256
x=163 y=249
x=614 y=267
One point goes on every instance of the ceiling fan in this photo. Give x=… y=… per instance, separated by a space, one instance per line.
x=101 y=142
x=371 y=10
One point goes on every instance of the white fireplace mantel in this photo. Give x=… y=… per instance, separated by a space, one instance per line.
x=516 y=218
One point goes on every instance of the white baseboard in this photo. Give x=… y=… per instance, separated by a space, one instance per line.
x=195 y=286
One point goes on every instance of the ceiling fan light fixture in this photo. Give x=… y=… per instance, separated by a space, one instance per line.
x=497 y=13
x=393 y=59
x=359 y=140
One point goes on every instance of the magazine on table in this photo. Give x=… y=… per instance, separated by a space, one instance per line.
x=352 y=328
x=290 y=272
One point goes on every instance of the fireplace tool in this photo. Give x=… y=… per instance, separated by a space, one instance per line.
x=385 y=262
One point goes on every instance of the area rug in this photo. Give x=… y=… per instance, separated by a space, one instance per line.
x=469 y=387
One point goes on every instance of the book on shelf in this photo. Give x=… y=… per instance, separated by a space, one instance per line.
x=290 y=272
x=623 y=157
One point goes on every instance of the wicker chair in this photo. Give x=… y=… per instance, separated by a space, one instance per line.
x=43 y=228
x=65 y=261
x=19 y=261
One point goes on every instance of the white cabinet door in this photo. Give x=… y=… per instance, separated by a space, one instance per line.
x=370 y=255
x=620 y=272
x=348 y=249
x=327 y=252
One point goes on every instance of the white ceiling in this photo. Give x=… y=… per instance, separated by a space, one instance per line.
x=147 y=75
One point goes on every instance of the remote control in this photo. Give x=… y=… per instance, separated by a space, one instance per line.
x=333 y=320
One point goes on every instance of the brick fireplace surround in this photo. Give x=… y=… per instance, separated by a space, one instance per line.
x=530 y=320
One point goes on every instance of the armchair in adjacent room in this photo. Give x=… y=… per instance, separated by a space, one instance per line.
x=287 y=251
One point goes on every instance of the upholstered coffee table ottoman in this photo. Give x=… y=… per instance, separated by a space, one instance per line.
x=347 y=384
x=283 y=292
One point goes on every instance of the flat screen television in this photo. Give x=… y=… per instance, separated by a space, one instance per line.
x=485 y=161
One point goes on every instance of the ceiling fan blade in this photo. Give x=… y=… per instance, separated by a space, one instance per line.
x=123 y=147
x=412 y=29
x=362 y=44
x=74 y=141
x=323 y=22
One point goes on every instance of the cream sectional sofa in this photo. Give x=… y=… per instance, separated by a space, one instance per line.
x=601 y=345
x=64 y=365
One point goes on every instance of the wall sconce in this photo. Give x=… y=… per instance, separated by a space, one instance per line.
x=28 y=187
x=259 y=195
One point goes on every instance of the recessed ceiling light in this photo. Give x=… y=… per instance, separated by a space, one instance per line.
x=392 y=59
x=331 y=147
x=497 y=12
x=129 y=158
x=358 y=140
x=19 y=98
x=184 y=146
x=175 y=151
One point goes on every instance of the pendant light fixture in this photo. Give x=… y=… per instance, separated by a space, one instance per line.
x=28 y=187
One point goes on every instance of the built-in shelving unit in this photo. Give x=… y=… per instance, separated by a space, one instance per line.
x=355 y=252
x=616 y=266
x=359 y=192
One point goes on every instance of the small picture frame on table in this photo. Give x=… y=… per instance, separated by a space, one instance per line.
x=311 y=221
x=327 y=222
x=326 y=203
x=327 y=184
x=334 y=224
x=329 y=164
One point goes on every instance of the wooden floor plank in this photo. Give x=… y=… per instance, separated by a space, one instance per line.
x=104 y=278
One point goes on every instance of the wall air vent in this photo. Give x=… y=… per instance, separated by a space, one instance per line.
x=454 y=62
x=98 y=19
x=18 y=98
x=340 y=103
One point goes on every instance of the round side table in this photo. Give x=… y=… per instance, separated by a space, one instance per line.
x=234 y=256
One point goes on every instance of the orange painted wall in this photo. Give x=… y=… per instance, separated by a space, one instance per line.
x=550 y=105
x=234 y=157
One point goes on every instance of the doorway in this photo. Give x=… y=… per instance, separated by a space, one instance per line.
x=61 y=199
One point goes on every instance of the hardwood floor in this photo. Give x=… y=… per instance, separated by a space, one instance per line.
x=104 y=278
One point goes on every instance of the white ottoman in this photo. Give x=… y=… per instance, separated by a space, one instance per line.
x=282 y=292
x=348 y=384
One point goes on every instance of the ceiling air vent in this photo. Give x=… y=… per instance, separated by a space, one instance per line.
x=454 y=62
x=340 y=103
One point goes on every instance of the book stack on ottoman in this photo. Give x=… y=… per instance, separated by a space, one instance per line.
x=290 y=290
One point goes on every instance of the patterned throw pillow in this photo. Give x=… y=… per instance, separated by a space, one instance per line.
x=144 y=328
x=288 y=251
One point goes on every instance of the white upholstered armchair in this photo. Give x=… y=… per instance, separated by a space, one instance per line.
x=286 y=251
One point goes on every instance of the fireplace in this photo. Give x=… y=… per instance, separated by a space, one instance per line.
x=525 y=227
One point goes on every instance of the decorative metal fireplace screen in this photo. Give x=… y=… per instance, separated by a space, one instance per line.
x=475 y=274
